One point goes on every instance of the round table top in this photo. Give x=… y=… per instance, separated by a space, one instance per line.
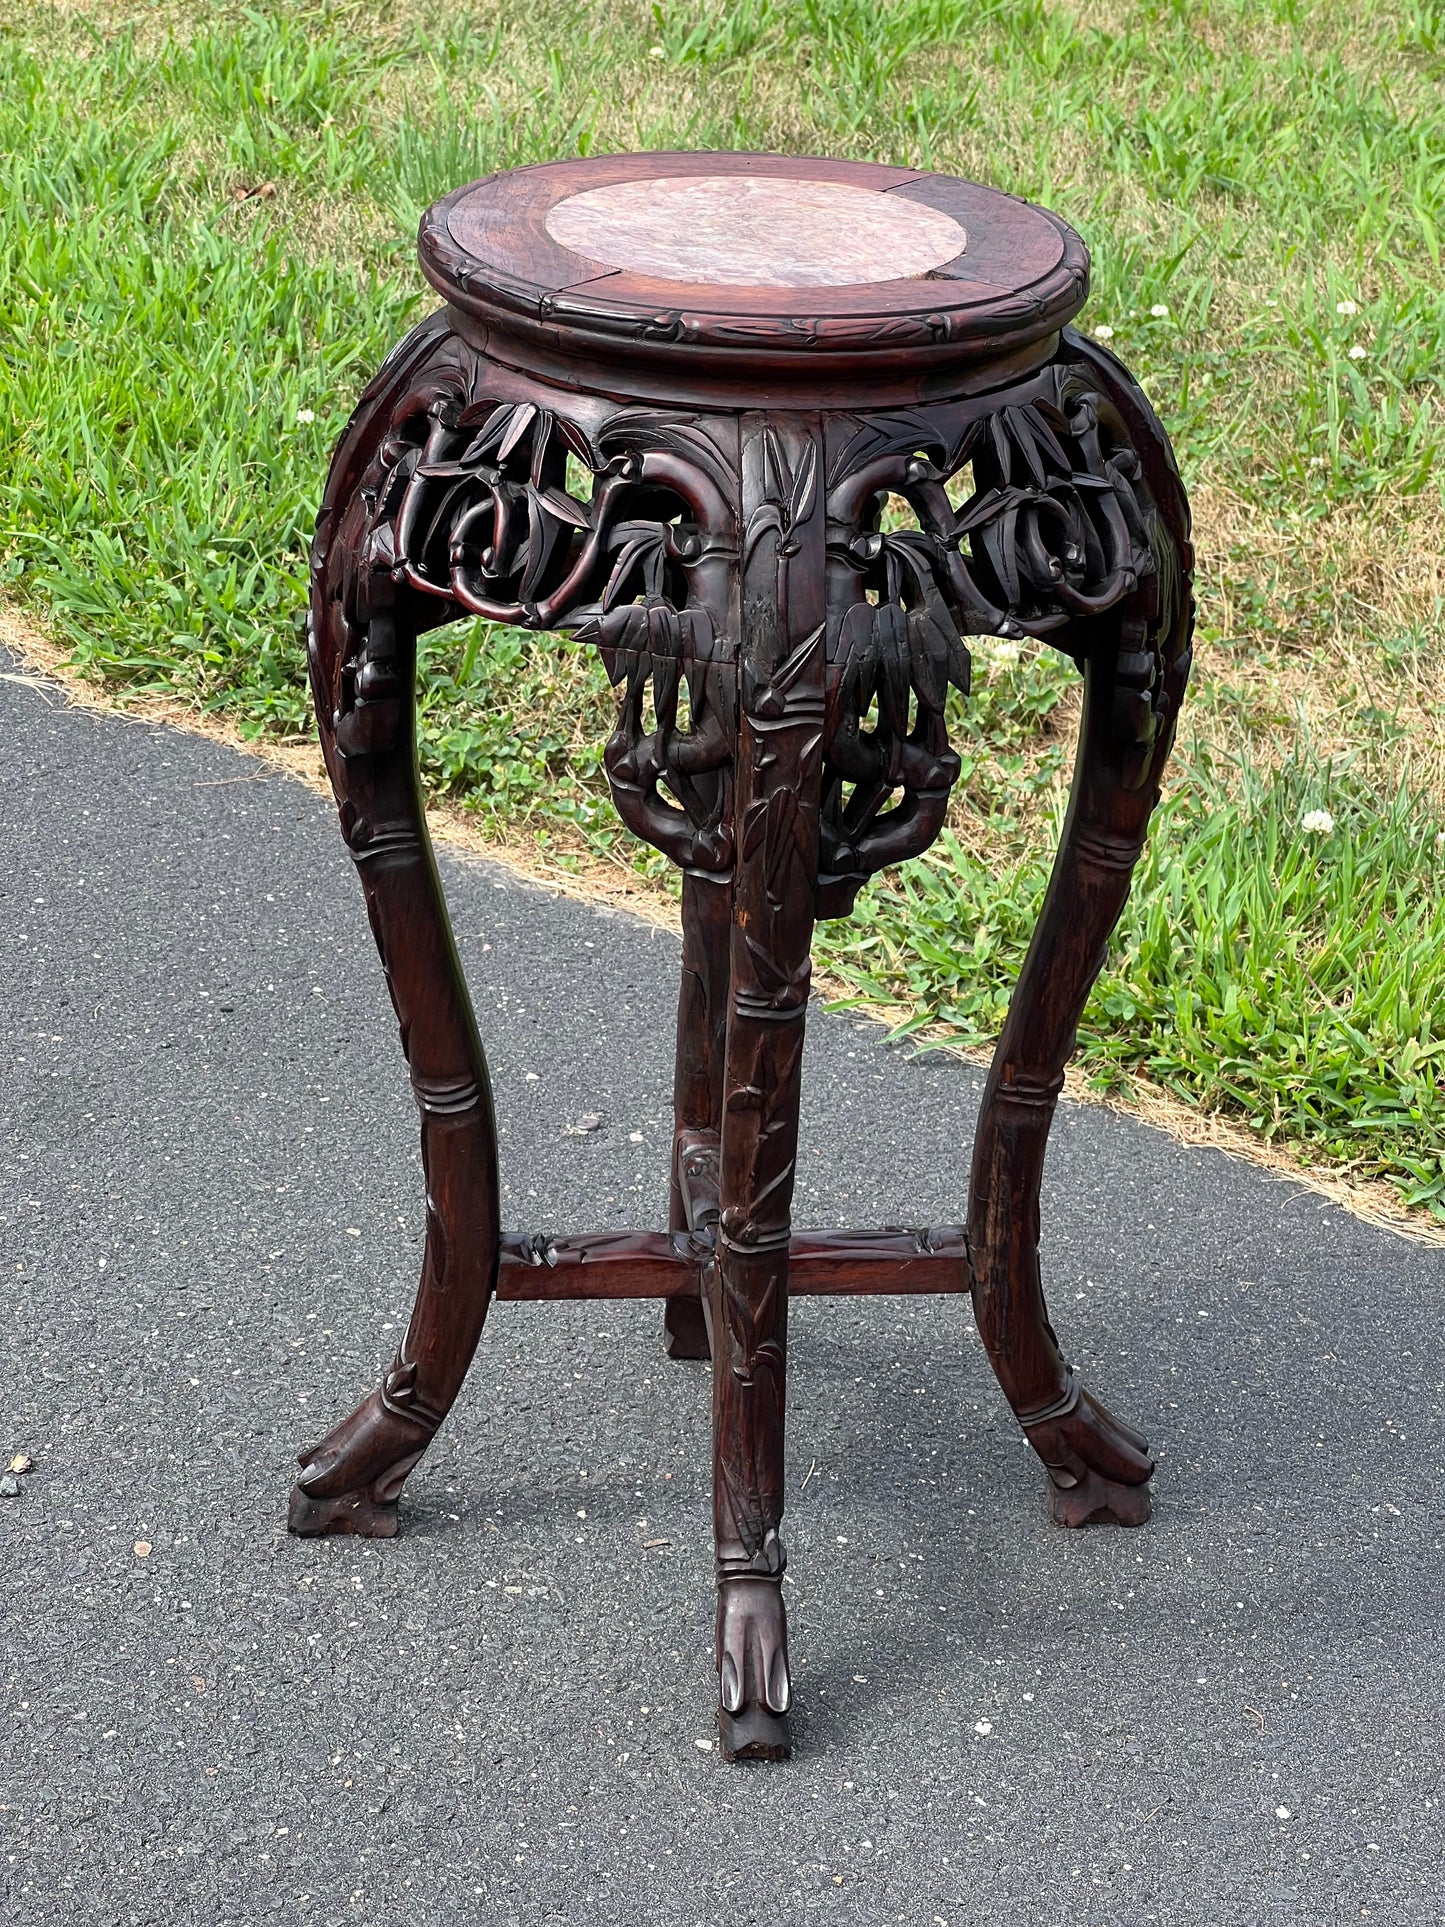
x=784 y=270
x=760 y=231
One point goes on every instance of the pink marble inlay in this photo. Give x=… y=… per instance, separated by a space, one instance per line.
x=755 y=231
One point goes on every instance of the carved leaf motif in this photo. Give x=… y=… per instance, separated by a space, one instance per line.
x=878 y=433
x=565 y=509
x=1000 y=545
x=639 y=545
x=679 y=437
x=476 y=450
x=663 y=637
x=766 y=519
x=804 y=487
x=894 y=663
x=776 y=980
x=518 y=421
x=929 y=643
x=495 y=422
x=1043 y=420
x=980 y=510
x=749 y=1500
x=1019 y=429
x=542 y=533
x=755 y=826
x=777 y=475
x=748 y=1321
x=574 y=439
x=1054 y=531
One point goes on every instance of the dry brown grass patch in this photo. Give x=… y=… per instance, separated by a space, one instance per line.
x=1359 y=571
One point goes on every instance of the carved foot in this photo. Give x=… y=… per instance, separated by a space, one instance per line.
x=753 y=1684
x=1099 y=1502
x=352 y=1480
x=684 y=1329
x=1098 y=1467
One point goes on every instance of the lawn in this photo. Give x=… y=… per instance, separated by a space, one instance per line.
x=207 y=225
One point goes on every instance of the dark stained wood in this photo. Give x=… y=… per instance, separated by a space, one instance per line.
x=691 y=479
x=702 y=1015
x=670 y=1265
x=778 y=773
x=486 y=249
x=352 y=1480
x=848 y=1264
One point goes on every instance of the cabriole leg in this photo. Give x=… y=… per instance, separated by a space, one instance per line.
x=1098 y=1466
x=363 y=678
x=1136 y=665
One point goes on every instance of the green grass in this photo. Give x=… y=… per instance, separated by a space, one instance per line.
x=1266 y=973
x=207 y=219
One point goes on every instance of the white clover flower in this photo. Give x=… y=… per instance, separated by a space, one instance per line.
x=1357 y=353
x=1346 y=307
x=1103 y=332
x=1159 y=310
x=657 y=53
x=305 y=414
x=1317 y=823
x=1004 y=652
x=983 y=1726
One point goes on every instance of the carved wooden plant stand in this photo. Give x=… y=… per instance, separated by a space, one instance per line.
x=775 y=435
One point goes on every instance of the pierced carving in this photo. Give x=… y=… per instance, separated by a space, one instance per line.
x=469 y=512
x=1055 y=534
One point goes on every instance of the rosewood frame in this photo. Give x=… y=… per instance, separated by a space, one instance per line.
x=741 y=553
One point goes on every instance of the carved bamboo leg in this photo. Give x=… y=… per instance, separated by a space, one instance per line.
x=1097 y=1465
x=698 y=1087
x=1136 y=668
x=779 y=765
x=352 y=1480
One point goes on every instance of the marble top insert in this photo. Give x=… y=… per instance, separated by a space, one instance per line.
x=755 y=231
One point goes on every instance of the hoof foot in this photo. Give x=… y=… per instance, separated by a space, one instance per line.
x=684 y=1329
x=1098 y=1467
x=355 y=1512
x=1099 y=1502
x=754 y=1734
x=754 y=1686
x=351 y=1482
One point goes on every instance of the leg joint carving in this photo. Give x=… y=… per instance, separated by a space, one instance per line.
x=401 y=1397
x=446 y=1096
x=1061 y=1407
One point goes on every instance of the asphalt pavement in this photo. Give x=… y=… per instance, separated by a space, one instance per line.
x=210 y=1223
